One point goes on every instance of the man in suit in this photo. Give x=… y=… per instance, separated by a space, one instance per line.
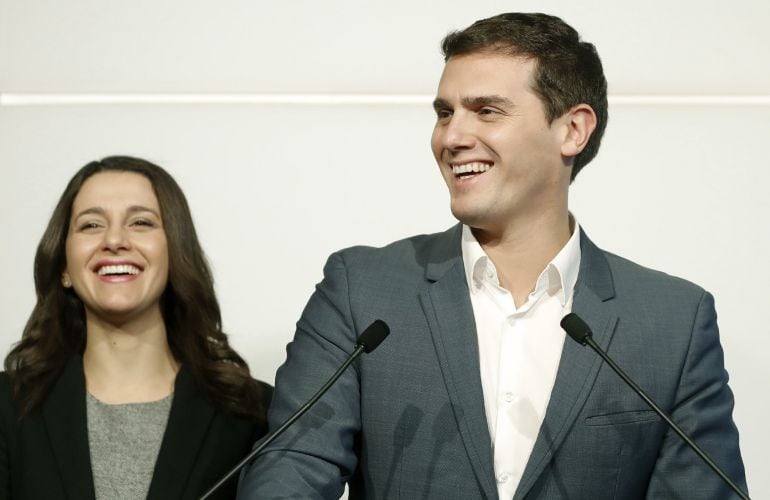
x=476 y=393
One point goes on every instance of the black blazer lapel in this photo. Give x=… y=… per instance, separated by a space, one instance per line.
x=449 y=313
x=64 y=414
x=188 y=423
x=579 y=365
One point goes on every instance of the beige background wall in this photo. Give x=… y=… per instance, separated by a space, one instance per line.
x=300 y=127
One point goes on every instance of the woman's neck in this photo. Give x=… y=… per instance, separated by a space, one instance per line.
x=128 y=363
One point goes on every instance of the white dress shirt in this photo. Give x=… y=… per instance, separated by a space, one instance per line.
x=519 y=351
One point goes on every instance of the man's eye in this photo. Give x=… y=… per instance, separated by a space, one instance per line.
x=488 y=111
x=443 y=114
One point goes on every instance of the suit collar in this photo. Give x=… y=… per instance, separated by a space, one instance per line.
x=449 y=314
x=64 y=414
x=579 y=365
x=445 y=253
x=188 y=423
x=595 y=274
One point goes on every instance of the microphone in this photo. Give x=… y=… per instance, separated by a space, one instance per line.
x=367 y=342
x=581 y=333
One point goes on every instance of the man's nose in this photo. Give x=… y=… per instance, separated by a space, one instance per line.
x=459 y=133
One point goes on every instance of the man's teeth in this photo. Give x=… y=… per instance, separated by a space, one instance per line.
x=470 y=167
x=119 y=269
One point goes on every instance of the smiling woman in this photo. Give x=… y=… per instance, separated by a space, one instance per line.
x=123 y=384
x=117 y=255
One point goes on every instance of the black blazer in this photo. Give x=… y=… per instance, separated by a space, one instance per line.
x=46 y=456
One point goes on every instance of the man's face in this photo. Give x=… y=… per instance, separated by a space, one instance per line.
x=494 y=146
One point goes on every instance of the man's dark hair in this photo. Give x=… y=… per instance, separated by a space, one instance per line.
x=568 y=71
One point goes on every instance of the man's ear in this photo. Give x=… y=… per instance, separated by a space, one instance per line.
x=580 y=122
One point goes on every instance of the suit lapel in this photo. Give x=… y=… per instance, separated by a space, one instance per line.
x=64 y=414
x=188 y=423
x=447 y=307
x=579 y=365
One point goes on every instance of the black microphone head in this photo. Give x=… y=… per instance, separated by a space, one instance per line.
x=373 y=335
x=576 y=328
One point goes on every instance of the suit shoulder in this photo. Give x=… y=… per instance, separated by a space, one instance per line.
x=415 y=248
x=629 y=275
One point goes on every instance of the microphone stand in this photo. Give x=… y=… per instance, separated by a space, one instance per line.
x=368 y=341
x=581 y=333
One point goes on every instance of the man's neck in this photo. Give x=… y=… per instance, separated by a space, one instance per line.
x=521 y=253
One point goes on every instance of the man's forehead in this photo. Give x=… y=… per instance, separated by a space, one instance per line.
x=488 y=64
x=485 y=76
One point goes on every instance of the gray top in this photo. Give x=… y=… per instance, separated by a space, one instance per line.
x=124 y=441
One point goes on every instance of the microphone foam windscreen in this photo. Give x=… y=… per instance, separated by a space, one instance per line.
x=576 y=328
x=373 y=335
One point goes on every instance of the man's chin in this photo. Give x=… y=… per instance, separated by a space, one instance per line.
x=470 y=216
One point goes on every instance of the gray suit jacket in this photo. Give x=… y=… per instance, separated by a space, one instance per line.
x=407 y=421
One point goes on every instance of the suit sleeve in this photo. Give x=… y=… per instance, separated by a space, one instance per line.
x=703 y=408
x=315 y=456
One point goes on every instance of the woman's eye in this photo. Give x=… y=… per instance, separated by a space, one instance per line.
x=143 y=223
x=88 y=226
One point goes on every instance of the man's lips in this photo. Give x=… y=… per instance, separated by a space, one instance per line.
x=473 y=167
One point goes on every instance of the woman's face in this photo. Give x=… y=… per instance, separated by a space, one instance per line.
x=116 y=249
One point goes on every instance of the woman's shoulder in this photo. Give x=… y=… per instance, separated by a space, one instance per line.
x=5 y=386
x=188 y=389
x=7 y=403
x=266 y=390
x=257 y=419
x=259 y=407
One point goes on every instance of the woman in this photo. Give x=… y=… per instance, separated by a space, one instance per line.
x=123 y=384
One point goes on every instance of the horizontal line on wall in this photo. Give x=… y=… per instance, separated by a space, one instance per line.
x=711 y=99
x=45 y=99
x=48 y=99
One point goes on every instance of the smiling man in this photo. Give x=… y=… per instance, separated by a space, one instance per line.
x=476 y=393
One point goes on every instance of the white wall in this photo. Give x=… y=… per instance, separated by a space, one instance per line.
x=680 y=184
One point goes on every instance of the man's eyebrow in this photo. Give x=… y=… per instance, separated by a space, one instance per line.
x=131 y=210
x=439 y=103
x=476 y=102
x=487 y=100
